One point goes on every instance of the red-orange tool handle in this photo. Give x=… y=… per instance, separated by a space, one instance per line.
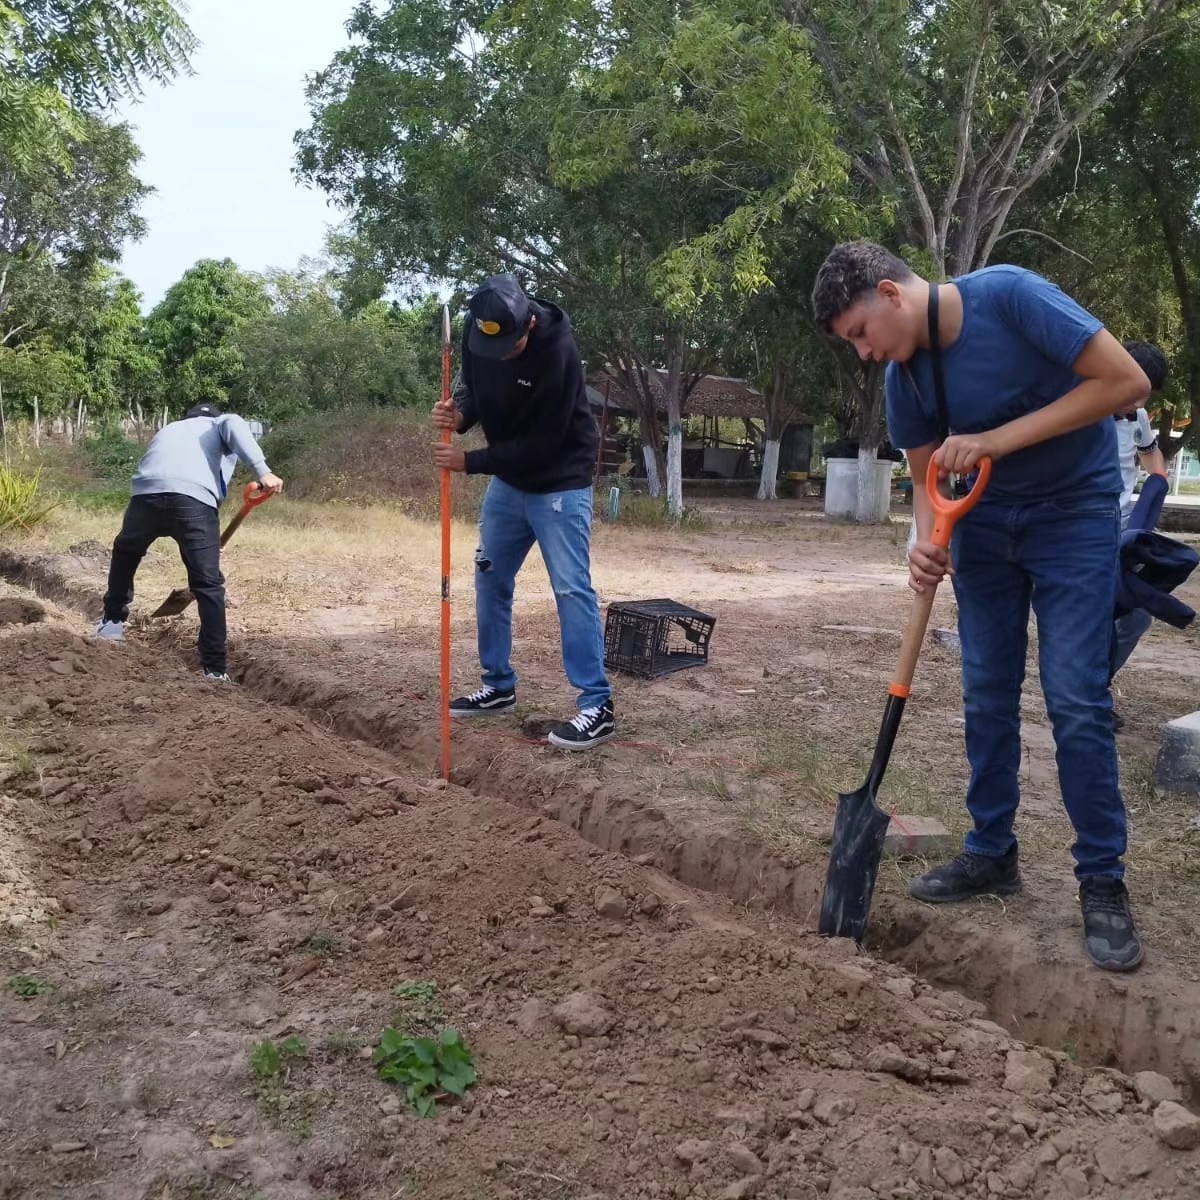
x=447 y=437
x=254 y=494
x=946 y=514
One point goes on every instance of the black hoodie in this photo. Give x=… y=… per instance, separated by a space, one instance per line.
x=541 y=436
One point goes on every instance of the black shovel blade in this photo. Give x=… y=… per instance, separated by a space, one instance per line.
x=859 y=829
x=174 y=604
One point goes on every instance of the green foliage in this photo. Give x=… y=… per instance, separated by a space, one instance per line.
x=308 y=353
x=112 y=456
x=22 y=505
x=194 y=332
x=59 y=222
x=60 y=58
x=39 y=369
x=27 y=987
x=268 y=1060
x=427 y=1069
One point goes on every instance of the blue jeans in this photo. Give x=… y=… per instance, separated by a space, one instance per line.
x=561 y=524
x=1061 y=557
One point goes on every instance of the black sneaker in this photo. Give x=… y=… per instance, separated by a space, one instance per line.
x=1108 y=929
x=483 y=703
x=592 y=727
x=969 y=875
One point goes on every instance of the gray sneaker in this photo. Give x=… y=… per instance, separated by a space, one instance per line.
x=110 y=631
x=217 y=677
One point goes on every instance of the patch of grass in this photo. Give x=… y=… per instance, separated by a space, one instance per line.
x=135 y=905
x=324 y=944
x=645 y=512
x=420 y=1009
x=112 y=456
x=428 y=1070
x=27 y=987
x=17 y=760
x=344 y=1043
x=23 y=504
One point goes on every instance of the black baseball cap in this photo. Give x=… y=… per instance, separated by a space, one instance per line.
x=499 y=315
x=202 y=410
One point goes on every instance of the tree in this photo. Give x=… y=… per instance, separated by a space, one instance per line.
x=956 y=110
x=60 y=59
x=59 y=223
x=122 y=370
x=194 y=331
x=1120 y=221
x=307 y=354
x=578 y=145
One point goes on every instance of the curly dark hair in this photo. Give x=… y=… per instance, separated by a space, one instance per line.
x=848 y=273
x=1152 y=360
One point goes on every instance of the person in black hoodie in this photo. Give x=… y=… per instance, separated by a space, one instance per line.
x=522 y=381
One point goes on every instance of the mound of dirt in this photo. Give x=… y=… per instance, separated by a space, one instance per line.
x=17 y=610
x=229 y=870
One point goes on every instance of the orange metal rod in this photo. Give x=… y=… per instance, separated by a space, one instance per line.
x=446 y=437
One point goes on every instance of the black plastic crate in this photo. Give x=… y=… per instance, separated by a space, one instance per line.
x=655 y=637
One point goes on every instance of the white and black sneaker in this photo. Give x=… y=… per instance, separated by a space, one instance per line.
x=592 y=727
x=483 y=703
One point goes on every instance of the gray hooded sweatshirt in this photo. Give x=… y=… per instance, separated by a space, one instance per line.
x=196 y=457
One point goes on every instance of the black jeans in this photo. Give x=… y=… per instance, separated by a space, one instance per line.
x=194 y=525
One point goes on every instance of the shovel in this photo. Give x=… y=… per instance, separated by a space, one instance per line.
x=860 y=825
x=253 y=495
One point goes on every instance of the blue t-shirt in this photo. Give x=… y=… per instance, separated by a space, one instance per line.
x=1020 y=336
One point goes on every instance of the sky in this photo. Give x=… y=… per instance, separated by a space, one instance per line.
x=217 y=145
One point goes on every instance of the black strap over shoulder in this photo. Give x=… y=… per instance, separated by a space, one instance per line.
x=935 y=351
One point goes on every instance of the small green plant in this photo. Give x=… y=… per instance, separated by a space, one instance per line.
x=27 y=986
x=22 y=503
x=267 y=1060
x=428 y=1070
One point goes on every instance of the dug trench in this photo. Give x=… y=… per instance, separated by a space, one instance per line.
x=149 y=783
x=1036 y=985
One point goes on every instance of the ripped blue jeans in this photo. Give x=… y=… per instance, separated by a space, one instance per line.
x=561 y=525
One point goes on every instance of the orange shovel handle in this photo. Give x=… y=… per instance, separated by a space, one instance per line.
x=947 y=512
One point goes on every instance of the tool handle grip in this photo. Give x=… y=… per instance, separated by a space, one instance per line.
x=947 y=512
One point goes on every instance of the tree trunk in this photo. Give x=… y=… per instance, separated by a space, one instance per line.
x=778 y=415
x=675 y=470
x=770 y=471
x=37 y=425
x=653 y=479
x=871 y=426
x=676 y=352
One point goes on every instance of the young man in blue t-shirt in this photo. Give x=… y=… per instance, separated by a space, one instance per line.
x=1032 y=381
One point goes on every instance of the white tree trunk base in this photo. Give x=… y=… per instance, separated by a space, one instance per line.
x=770 y=471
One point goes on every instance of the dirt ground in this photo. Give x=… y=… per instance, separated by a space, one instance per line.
x=187 y=870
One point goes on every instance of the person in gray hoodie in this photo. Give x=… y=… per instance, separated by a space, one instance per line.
x=176 y=492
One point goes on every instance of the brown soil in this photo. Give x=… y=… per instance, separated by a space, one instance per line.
x=187 y=870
